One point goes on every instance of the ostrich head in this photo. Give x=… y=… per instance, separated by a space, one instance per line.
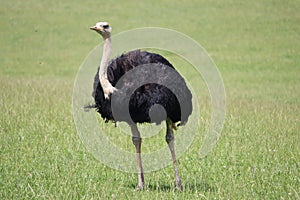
x=102 y=28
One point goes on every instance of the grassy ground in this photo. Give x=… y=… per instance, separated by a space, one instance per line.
x=256 y=46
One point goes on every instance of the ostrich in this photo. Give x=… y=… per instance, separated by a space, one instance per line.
x=143 y=99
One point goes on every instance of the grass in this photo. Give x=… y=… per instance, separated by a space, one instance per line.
x=256 y=46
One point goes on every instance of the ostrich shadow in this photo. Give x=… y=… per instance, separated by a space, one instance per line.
x=187 y=187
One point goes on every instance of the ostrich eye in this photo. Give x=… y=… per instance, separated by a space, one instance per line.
x=105 y=26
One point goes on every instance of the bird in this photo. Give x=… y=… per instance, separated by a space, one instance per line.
x=146 y=101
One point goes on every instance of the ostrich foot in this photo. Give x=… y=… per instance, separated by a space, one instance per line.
x=178 y=185
x=139 y=187
x=109 y=90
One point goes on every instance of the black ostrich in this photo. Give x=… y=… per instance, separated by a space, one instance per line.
x=144 y=99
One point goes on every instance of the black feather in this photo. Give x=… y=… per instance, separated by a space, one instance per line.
x=146 y=96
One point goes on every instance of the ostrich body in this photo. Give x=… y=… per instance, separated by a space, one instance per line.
x=143 y=99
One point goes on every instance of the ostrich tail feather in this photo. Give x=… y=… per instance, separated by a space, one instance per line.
x=88 y=107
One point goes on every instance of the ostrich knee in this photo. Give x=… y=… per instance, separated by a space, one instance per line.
x=137 y=141
x=169 y=134
x=169 y=137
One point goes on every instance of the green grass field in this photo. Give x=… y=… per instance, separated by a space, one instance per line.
x=256 y=46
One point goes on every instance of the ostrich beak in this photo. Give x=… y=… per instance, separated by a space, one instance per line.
x=93 y=28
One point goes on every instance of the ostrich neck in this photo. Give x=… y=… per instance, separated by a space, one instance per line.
x=104 y=63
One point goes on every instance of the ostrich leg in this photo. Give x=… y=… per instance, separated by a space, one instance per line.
x=170 y=141
x=137 y=141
